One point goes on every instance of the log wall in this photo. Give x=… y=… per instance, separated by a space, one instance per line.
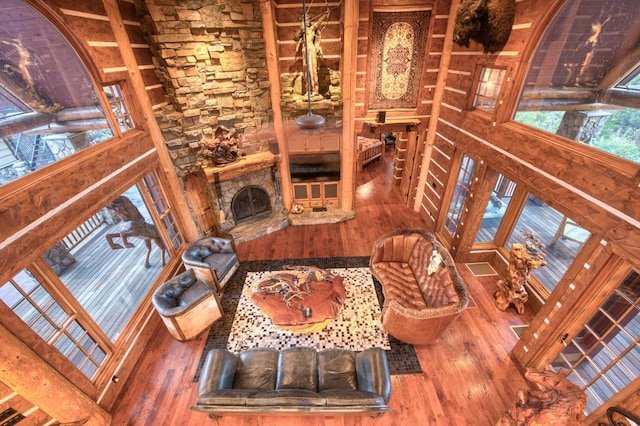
x=39 y=209
x=576 y=180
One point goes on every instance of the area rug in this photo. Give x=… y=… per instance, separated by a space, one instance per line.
x=357 y=326
x=402 y=357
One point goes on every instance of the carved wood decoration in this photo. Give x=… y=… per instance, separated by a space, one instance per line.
x=300 y=298
x=557 y=401
x=523 y=259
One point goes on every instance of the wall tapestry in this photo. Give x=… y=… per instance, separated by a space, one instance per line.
x=398 y=41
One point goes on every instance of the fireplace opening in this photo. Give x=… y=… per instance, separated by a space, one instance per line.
x=249 y=203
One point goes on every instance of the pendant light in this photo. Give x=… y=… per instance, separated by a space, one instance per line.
x=308 y=121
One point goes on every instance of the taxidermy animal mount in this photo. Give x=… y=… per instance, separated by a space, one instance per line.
x=488 y=22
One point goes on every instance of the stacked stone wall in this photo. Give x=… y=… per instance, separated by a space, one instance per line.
x=211 y=60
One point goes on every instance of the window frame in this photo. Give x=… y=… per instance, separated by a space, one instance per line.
x=50 y=281
x=500 y=64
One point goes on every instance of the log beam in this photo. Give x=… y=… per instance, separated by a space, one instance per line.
x=27 y=374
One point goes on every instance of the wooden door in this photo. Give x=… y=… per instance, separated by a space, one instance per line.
x=198 y=198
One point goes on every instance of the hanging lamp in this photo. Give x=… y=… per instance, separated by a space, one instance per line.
x=308 y=121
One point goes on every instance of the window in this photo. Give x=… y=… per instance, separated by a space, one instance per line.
x=162 y=209
x=586 y=91
x=59 y=326
x=488 y=89
x=604 y=357
x=112 y=269
x=561 y=235
x=118 y=107
x=11 y=105
x=47 y=89
x=497 y=206
x=460 y=194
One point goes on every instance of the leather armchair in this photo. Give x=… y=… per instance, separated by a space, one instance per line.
x=186 y=305
x=213 y=259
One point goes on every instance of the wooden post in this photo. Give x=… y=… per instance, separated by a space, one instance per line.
x=271 y=47
x=166 y=168
x=435 y=109
x=348 y=76
x=27 y=374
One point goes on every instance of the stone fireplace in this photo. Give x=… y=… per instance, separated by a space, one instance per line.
x=251 y=202
x=249 y=196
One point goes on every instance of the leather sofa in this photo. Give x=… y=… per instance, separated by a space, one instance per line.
x=187 y=305
x=213 y=259
x=423 y=291
x=294 y=381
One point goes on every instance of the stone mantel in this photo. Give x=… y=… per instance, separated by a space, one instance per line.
x=245 y=165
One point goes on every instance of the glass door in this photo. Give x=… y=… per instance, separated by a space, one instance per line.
x=604 y=357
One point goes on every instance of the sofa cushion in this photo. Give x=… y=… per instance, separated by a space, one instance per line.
x=287 y=397
x=438 y=290
x=400 y=284
x=226 y=397
x=257 y=369
x=193 y=294
x=337 y=369
x=221 y=262
x=349 y=397
x=297 y=369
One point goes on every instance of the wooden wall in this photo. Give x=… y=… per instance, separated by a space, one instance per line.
x=39 y=209
x=579 y=182
x=437 y=26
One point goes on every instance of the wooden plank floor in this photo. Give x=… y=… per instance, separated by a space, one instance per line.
x=468 y=378
x=107 y=282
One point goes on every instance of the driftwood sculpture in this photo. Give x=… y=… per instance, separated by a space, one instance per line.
x=523 y=259
x=557 y=401
x=135 y=227
x=488 y=22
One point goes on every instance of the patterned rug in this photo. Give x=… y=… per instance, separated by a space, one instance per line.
x=356 y=328
x=398 y=43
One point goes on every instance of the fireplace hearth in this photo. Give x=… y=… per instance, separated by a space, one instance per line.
x=251 y=202
x=249 y=196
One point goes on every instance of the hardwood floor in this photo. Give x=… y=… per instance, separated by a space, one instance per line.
x=468 y=379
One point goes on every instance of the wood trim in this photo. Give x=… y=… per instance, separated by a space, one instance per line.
x=454 y=166
x=166 y=172
x=482 y=188
x=36 y=218
x=273 y=70
x=432 y=126
x=25 y=372
x=609 y=165
x=349 y=67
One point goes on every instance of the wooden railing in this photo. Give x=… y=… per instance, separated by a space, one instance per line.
x=83 y=231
